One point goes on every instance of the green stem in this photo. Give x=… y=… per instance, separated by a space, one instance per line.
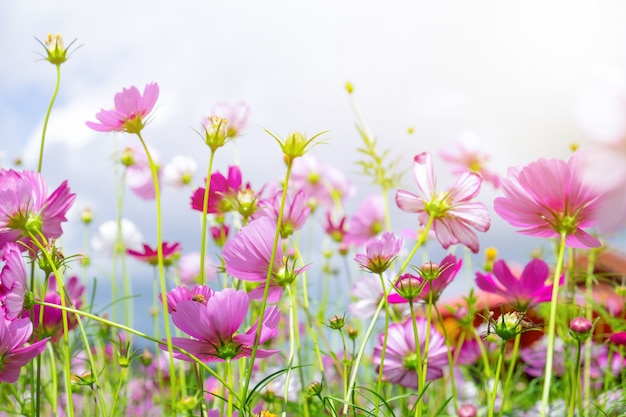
x=545 y=397
x=455 y=395
x=496 y=380
x=293 y=305
x=45 y=122
x=426 y=340
x=384 y=348
x=205 y=209
x=166 y=322
x=575 y=381
x=506 y=388
x=418 y=368
x=591 y=261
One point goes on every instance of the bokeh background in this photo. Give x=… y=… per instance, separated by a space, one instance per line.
x=520 y=75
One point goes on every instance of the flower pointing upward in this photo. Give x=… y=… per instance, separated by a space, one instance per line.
x=130 y=112
x=453 y=211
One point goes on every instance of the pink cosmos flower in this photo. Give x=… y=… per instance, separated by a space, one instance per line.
x=336 y=230
x=368 y=221
x=546 y=198
x=171 y=252
x=470 y=157
x=179 y=171
x=215 y=327
x=453 y=211
x=247 y=257
x=528 y=289
x=366 y=292
x=13 y=285
x=130 y=112
x=295 y=213
x=189 y=268
x=322 y=183
x=401 y=356
x=138 y=175
x=379 y=253
x=52 y=325
x=200 y=294
x=223 y=190
x=433 y=279
x=14 y=334
x=27 y=209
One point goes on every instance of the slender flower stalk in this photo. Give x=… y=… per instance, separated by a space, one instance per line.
x=496 y=380
x=45 y=122
x=545 y=396
x=506 y=387
x=205 y=208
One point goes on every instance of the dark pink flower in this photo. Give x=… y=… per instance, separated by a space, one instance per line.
x=215 y=327
x=432 y=278
x=618 y=338
x=171 y=252
x=546 y=198
x=222 y=192
x=26 y=208
x=336 y=230
x=130 y=112
x=368 y=221
x=453 y=211
x=247 y=257
x=379 y=253
x=528 y=289
x=14 y=334
x=13 y=281
x=401 y=356
x=295 y=213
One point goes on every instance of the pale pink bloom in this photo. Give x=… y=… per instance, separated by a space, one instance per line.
x=469 y=156
x=368 y=221
x=247 y=257
x=401 y=355
x=179 y=172
x=295 y=213
x=322 y=183
x=13 y=284
x=235 y=117
x=130 y=112
x=14 y=334
x=106 y=240
x=199 y=293
x=138 y=175
x=189 y=268
x=379 y=253
x=27 y=209
x=214 y=327
x=525 y=290
x=367 y=291
x=546 y=198
x=453 y=211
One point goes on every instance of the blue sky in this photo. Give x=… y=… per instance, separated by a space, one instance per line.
x=511 y=72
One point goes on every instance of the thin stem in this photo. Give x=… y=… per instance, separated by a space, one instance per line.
x=385 y=336
x=455 y=395
x=418 y=351
x=575 y=381
x=45 y=122
x=293 y=305
x=506 y=388
x=545 y=397
x=166 y=322
x=205 y=209
x=494 y=392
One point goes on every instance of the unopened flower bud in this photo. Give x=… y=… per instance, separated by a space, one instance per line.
x=580 y=328
x=507 y=326
x=146 y=357
x=86 y=215
x=349 y=87
x=352 y=333
x=128 y=157
x=467 y=410
x=409 y=287
x=314 y=389
x=56 y=52
x=336 y=322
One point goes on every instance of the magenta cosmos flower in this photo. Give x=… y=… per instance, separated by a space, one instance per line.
x=528 y=289
x=171 y=252
x=247 y=257
x=214 y=327
x=401 y=359
x=27 y=210
x=295 y=213
x=130 y=112
x=52 y=325
x=222 y=192
x=199 y=293
x=546 y=198
x=453 y=212
x=379 y=253
x=470 y=157
x=432 y=278
x=12 y=281
x=14 y=334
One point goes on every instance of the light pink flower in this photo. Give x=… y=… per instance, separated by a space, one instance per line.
x=130 y=112
x=215 y=327
x=171 y=252
x=247 y=257
x=12 y=281
x=546 y=198
x=235 y=117
x=469 y=156
x=379 y=253
x=367 y=292
x=26 y=208
x=138 y=174
x=295 y=213
x=179 y=171
x=528 y=289
x=14 y=334
x=189 y=269
x=322 y=183
x=401 y=356
x=106 y=240
x=368 y=221
x=453 y=211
